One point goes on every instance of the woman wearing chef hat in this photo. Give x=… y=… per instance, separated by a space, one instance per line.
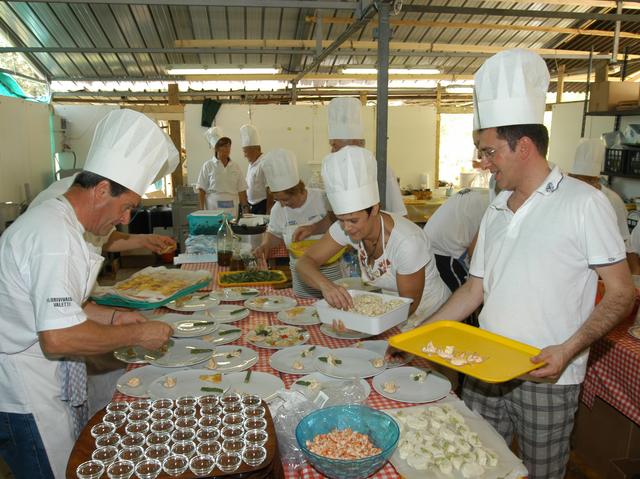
x=221 y=185
x=393 y=252
x=48 y=272
x=298 y=211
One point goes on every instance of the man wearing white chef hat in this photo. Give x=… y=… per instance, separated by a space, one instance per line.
x=345 y=128
x=48 y=272
x=298 y=211
x=260 y=200
x=586 y=167
x=221 y=184
x=394 y=253
x=542 y=244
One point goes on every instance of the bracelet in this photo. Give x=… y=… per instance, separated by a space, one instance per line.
x=113 y=315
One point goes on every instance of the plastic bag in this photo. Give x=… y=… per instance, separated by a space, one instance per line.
x=201 y=244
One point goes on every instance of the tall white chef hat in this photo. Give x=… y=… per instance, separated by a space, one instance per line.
x=130 y=149
x=280 y=169
x=213 y=134
x=345 y=122
x=350 y=178
x=589 y=157
x=249 y=136
x=510 y=89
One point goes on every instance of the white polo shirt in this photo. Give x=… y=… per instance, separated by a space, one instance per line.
x=256 y=182
x=454 y=224
x=621 y=214
x=537 y=264
x=214 y=177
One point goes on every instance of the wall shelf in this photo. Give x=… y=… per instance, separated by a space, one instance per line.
x=634 y=112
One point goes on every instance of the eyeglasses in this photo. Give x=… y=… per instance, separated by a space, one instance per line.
x=489 y=153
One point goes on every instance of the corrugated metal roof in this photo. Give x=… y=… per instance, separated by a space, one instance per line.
x=86 y=34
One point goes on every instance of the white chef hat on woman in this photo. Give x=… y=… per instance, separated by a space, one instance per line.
x=213 y=134
x=510 y=88
x=280 y=169
x=345 y=121
x=350 y=178
x=249 y=136
x=130 y=149
x=589 y=157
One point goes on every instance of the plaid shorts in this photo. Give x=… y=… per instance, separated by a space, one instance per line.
x=541 y=416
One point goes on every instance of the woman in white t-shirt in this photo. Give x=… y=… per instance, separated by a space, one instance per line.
x=393 y=252
x=297 y=213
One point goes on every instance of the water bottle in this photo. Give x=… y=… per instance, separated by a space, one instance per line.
x=350 y=265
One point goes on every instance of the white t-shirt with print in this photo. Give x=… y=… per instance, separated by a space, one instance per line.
x=283 y=221
x=537 y=264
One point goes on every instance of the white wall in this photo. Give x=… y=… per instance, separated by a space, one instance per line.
x=303 y=129
x=25 y=152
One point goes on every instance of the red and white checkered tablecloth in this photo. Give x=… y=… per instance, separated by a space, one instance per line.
x=280 y=251
x=375 y=400
x=612 y=374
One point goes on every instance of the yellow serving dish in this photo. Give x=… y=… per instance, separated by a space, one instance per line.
x=504 y=358
x=298 y=248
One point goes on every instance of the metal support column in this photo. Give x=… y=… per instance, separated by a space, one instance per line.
x=382 y=95
x=585 y=106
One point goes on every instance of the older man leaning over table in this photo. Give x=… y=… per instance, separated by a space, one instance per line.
x=47 y=272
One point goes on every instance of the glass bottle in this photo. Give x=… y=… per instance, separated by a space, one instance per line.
x=225 y=240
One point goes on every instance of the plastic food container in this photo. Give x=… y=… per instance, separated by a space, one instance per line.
x=205 y=222
x=363 y=323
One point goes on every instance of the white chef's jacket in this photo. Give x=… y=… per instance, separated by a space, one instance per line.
x=454 y=224
x=46 y=272
x=58 y=188
x=621 y=214
x=537 y=264
x=256 y=182
x=221 y=184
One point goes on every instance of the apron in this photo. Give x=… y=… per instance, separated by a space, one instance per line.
x=43 y=381
x=228 y=202
x=379 y=274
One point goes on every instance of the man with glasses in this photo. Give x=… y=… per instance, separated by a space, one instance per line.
x=47 y=272
x=542 y=244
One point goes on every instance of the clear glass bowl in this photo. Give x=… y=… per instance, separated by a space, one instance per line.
x=183 y=434
x=134 y=454
x=158 y=438
x=120 y=406
x=158 y=451
x=141 y=405
x=254 y=411
x=233 y=408
x=255 y=423
x=229 y=461
x=111 y=439
x=90 y=470
x=211 y=411
x=188 y=448
x=184 y=411
x=189 y=401
x=208 y=400
x=256 y=437
x=138 y=415
x=380 y=427
x=164 y=403
x=254 y=455
x=202 y=464
x=103 y=428
x=208 y=434
x=163 y=425
x=161 y=414
x=209 y=421
x=137 y=426
x=117 y=418
x=121 y=470
x=233 y=445
x=212 y=448
x=233 y=419
x=232 y=432
x=229 y=398
x=175 y=464
x=134 y=439
x=186 y=422
x=148 y=469
x=106 y=454
x=251 y=400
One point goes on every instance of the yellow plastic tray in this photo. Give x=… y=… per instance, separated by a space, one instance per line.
x=298 y=248
x=504 y=358
x=222 y=274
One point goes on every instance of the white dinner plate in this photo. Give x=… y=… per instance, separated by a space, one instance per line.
x=327 y=330
x=188 y=383
x=284 y=359
x=226 y=333
x=234 y=294
x=635 y=331
x=231 y=357
x=435 y=386
x=277 y=336
x=228 y=313
x=179 y=353
x=186 y=326
x=299 y=316
x=196 y=303
x=394 y=358
x=146 y=375
x=270 y=304
x=306 y=384
x=355 y=363
x=262 y=384
x=131 y=355
x=353 y=282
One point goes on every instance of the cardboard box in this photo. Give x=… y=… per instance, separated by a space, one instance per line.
x=605 y=96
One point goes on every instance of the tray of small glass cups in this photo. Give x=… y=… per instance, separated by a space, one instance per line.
x=213 y=435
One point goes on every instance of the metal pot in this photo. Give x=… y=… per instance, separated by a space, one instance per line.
x=9 y=211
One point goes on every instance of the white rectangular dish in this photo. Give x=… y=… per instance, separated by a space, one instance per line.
x=361 y=322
